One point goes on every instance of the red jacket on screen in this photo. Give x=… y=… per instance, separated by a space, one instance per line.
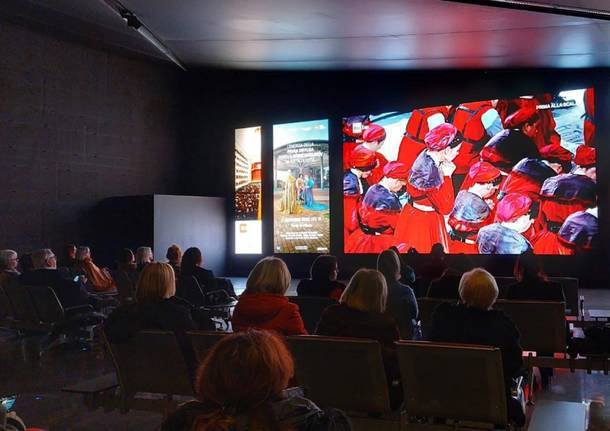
x=268 y=311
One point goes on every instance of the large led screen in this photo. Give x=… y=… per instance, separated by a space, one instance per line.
x=301 y=215
x=248 y=234
x=490 y=177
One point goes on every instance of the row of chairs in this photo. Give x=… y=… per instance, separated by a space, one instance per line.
x=462 y=384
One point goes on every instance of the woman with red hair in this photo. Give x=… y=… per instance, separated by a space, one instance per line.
x=241 y=385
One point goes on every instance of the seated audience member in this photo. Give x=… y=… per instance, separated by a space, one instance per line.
x=361 y=314
x=192 y=259
x=323 y=281
x=446 y=286
x=401 y=303
x=532 y=283
x=407 y=273
x=8 y=266
x=157 y=308
x=263 y=305
x=126 y=262
x=240 y=386
x=174 y=256
x=98 y=280
x=45 y=273
x=144 y=256
x=473 y=321
x=68 y=256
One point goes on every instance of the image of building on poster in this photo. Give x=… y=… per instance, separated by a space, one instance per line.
x=248 y=224
x=301 y=214
x=499 y=176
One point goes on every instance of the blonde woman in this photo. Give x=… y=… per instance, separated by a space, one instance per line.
x=473 y=321
x=264 y=304
x=361 y=314
x=157 y=308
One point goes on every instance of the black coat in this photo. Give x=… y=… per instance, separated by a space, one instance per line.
x=402 y=306
x=310 y=287
x=536 y=290
x=445 y=287
x=68 y=292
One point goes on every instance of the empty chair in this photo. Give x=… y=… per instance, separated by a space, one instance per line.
x=24 y=309
x=151 y=361
x=6 y=309
x=188 y=289
x=311 y=308
x=461 y=383
x=203 y=341
x=346 y=373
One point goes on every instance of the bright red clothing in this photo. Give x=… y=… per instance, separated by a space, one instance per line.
x=547 y=242
x=377 y=173
x=268 y=311
x=417 y=127
x=350 y=215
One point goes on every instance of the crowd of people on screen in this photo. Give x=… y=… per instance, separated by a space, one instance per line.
x=378 y=304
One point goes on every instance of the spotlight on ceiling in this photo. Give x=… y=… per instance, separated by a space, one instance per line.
x=532 y=6
x=134 y=22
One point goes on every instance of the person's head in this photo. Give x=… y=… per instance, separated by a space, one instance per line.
x=8 y=260
x=517 y=211
x=388 y=263
x=44 y=259
x=125 y=259
x=83 y=253
x=525 y=119
x=444 y=142
x=156 y=282
x=528 y=267
x=240 y=376
x=144 y=255
x=269 y=275
x=366 y=291
x=69 y=252
x=362 y=161
x=324 y=268
x=437 y=250
x=395 y=176
x=191 y=259
x=174 y=254
x=478 y=289
x=585 y=160
x=374 y=137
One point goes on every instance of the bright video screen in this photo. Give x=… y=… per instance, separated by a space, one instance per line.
x=301 y=214
x=248 y=233
x=490 y=177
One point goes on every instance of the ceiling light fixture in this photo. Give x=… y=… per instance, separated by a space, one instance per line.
x=134 y=22
x=532 y=6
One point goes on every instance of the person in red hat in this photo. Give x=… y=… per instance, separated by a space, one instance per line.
x=352 y=128
x=476 y=122
x=562 y=195
x=378 y=213
x=557 y=157
x=362 y=161
x=585 y=162
x=420 y=123
x=515 y=215
x=430 y=188
x=372 y=137
x=473 y=207
x=589 y=117
x=526 y=177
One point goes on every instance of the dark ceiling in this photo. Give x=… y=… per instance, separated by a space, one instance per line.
x=340 y=34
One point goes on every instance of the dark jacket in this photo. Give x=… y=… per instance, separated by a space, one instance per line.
x=342 y=321
x=205 y=278
x=466 y=325
x=445 y=287
x=68 y=292
x=402 y=306
x=295 y=411
x=171 y=314
x=268 y=311
x=325 y=288
x=536 y=290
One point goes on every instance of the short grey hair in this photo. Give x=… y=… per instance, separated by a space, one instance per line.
x=40 y=257
x=82 y=253
x=6 y=256
x=478 y=289
x=143 y=254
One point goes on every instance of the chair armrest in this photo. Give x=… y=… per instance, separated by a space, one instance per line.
x=77 y=309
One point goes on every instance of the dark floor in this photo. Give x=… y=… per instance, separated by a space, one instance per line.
x=37 y=383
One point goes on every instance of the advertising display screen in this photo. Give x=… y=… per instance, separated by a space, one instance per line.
x=301 y=214
x=490 y=177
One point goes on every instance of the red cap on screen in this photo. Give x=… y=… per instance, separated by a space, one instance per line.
x=362 y=158
x=397 y=170
x=440 y=137
x=585 y=156
x=482 y=172
x=555 y=152
x=517 y=118
x=512 y=206
x=373 y=132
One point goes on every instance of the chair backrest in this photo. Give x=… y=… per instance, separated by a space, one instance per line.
x=426 y=307
x=188 y=288
x=6 y=309
x=569 y=285
x=203 y=341
x=452 y=381
x=125 y=287
x=346 y=373
x=151 y=361
x=47 y=304
x=542 y=324
x=311 y=308
x=23 y=307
